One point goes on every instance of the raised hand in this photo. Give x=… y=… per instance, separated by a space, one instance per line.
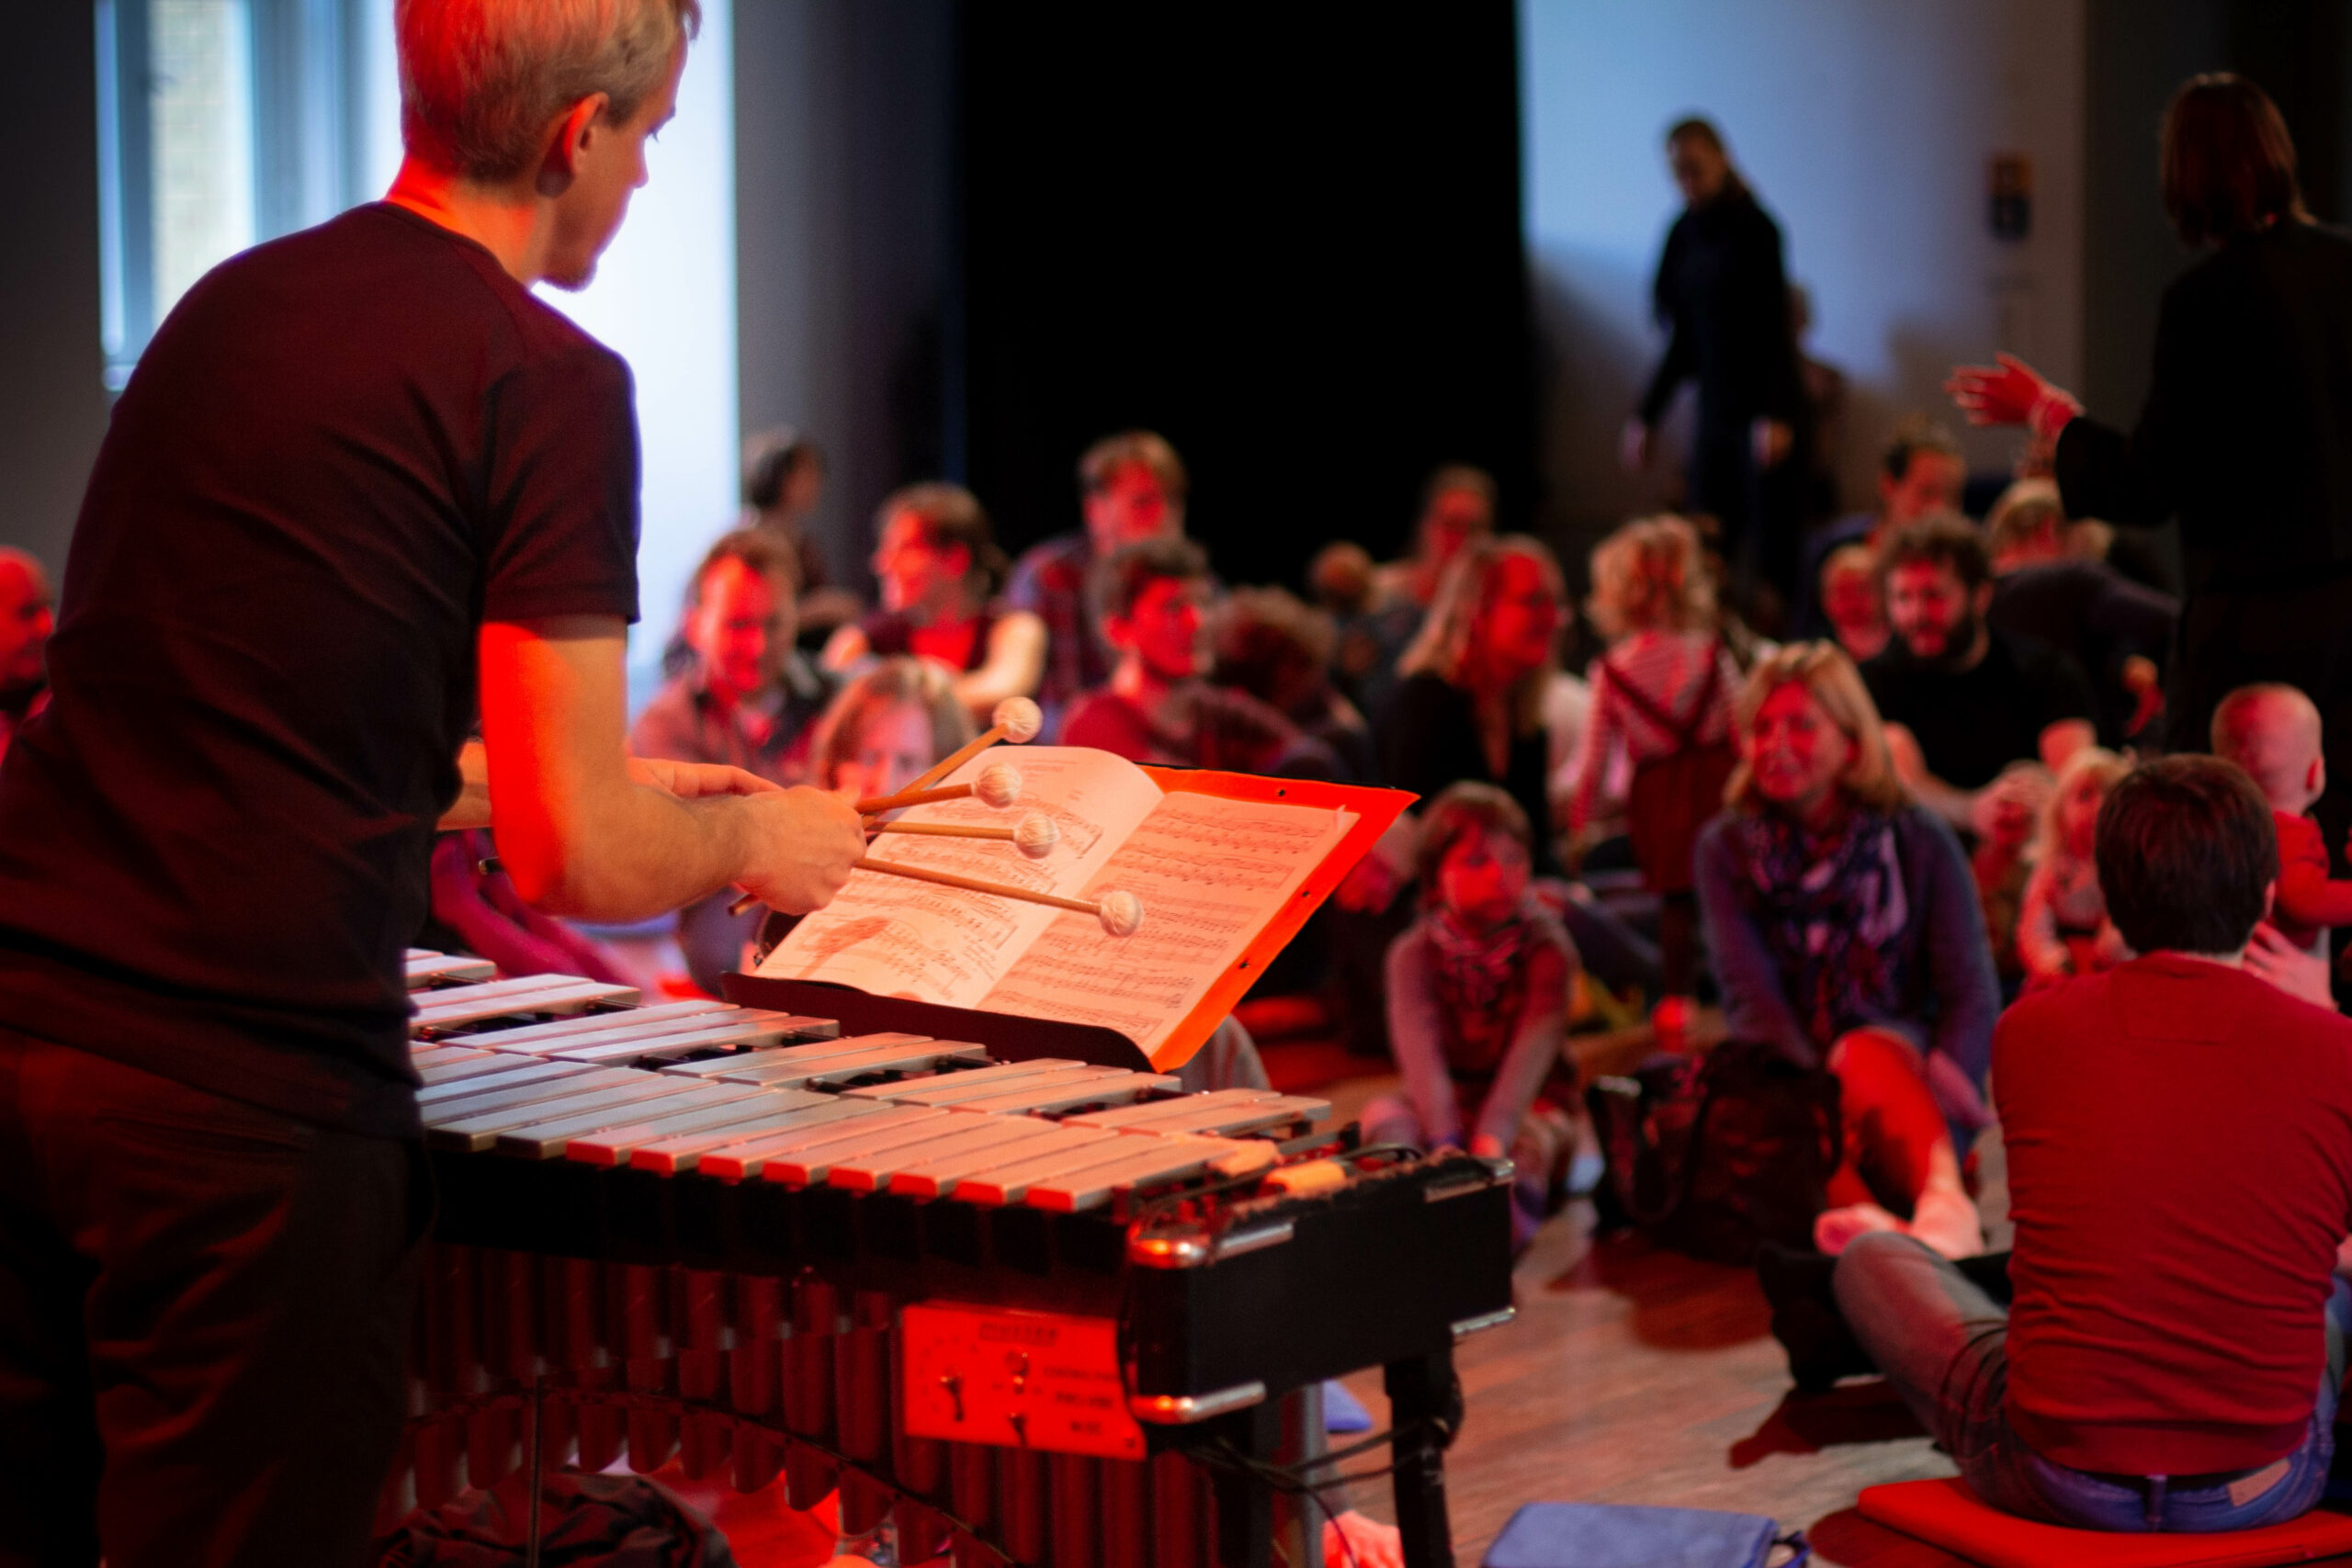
x=2009 y=392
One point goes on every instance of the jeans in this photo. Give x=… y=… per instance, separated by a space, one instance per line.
x=204 y=1311
x=1943 y=1344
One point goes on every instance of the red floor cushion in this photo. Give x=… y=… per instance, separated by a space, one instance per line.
x=1947 y=1514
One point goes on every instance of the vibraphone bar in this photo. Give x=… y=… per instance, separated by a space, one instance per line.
x=1043 y=1312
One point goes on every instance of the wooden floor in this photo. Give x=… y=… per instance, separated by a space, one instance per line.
x=1633 y=1375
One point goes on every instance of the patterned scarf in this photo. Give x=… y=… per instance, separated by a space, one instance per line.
x=1482 y=985
x=1832 y=910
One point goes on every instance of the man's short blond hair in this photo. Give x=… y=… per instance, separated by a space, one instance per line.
x=481 y=79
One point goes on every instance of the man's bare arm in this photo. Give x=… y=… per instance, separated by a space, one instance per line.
x=471 y=809
x=585 y=832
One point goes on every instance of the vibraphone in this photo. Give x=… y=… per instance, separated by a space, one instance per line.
x=1039 y=1310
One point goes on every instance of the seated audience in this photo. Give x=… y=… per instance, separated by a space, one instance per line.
x=2118 y=631
x=890 y=724
x=1477 y=1001
x=2273 y=732
x=1471 y=707
x=1920 y=475
x=476 y=910
x=746 y=700
x=2172 y=1357
x=1158 y=706
x=1845 y=933
x=1273 y=646
x=938 y=566
x=1131 y=488
x=27 y=617
x=1470 y=703
x=1964 y=703
x=1853 y=603
x=1458 y=510
x=2062 y=926
x=1662 y=694
x=784 y=476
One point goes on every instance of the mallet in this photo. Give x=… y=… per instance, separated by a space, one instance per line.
x=1035 y=835
x=1120 y=912
x=1016 y=719
x=998 y=785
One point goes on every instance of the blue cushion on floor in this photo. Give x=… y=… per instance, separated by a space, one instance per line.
x=1621 y=1535
x=1342 y=1411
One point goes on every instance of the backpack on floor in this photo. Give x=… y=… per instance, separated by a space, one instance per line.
x=1716 y=1153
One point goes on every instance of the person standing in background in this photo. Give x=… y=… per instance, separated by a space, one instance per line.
x=1722 y=296
x=2246 y=433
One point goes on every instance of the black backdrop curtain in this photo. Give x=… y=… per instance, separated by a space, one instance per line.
x=1287 y=237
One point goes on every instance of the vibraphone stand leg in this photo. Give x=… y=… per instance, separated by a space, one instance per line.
x=537 y=1467
x=1245 y=1507
x=1422 y=1393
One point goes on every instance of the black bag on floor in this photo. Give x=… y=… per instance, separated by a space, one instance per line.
x=1714 y=1155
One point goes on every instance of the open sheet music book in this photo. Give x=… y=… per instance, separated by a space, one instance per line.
x=1212 y=872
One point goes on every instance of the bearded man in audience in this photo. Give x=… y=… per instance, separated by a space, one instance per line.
x=2172 y=1357
x=26 y=619
x=1977 y=718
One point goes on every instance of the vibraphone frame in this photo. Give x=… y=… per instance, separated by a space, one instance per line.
x=1207 y=1307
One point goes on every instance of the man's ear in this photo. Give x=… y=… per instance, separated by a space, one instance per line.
x=1982 y=599
x=573 y=133
x=2269 y=897
x=1118 y=631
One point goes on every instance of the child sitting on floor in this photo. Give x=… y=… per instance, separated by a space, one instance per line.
x=1477 y=1001
x=2273 y=732
x=2062 y=927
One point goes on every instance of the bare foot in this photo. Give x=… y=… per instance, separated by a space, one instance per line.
x=1945 y=1219
x=1835 y=1229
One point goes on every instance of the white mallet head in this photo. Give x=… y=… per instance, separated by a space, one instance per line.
x=1035 y=835
x=998 y=785
x=1122 y=913
x=1020 y=719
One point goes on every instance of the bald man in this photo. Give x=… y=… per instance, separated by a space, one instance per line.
x=24 y=622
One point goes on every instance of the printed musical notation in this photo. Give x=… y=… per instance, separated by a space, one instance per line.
x=895 y=937
x=1211 y=873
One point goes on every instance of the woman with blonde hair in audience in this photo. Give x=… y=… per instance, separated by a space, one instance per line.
x=2062 y=927
x=1845 y=930
x=1662 y=694
x=939 y=567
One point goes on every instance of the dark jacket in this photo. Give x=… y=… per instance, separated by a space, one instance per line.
x=1723 y=294
x=2247 y=429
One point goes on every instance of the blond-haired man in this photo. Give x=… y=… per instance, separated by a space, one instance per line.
x=361 y=482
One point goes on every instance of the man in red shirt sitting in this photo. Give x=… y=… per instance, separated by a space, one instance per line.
x=2179 y=1141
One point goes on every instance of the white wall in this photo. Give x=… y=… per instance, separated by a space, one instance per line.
x=663 y=298
x=1866 y=128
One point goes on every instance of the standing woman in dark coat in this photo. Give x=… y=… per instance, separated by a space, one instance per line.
x=1722 y=296
x=2247 y=434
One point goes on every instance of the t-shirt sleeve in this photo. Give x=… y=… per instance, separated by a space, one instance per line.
x=560 y=524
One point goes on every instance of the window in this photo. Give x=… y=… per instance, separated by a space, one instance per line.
x=222 y=123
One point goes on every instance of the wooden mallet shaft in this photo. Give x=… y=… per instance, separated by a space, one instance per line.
x=1120 y=913
x=944 y=830
x=1017 y=720
x=874 y=805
